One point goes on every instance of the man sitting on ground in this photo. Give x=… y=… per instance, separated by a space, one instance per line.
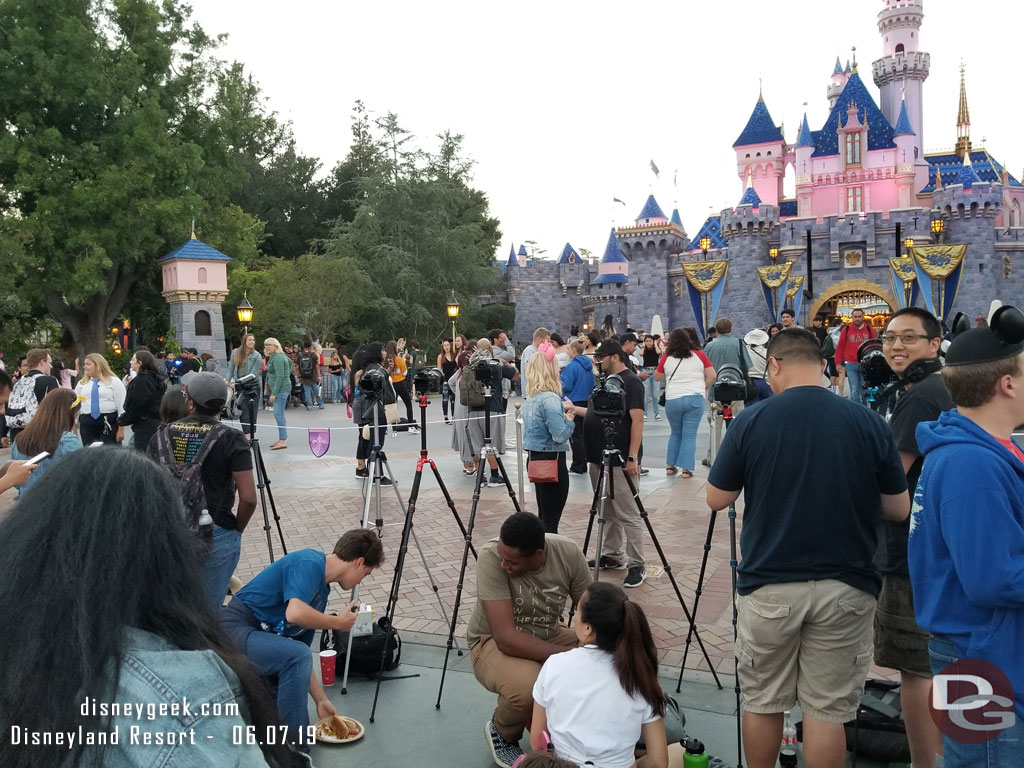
x=523 y=579
x=273 y=619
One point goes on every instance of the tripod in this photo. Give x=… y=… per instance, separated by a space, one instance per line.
x=262 y=478
x=407 y=531
x=379 y=461
x=485 y=451
x=716 y=441
x=611 y=456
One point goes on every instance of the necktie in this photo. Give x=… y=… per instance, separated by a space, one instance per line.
x=94 y=408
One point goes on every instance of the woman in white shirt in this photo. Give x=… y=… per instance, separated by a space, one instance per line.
x=593 y=702
x=687 y=374
x=102 y=395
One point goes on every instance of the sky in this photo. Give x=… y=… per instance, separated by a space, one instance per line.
x=564 y=104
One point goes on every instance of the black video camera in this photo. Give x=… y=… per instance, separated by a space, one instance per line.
x=608 y=399
x=874 y=369
x=487 y=371
x=372 y=382
x=428 y=381
x=248 y=385
x=729 y=385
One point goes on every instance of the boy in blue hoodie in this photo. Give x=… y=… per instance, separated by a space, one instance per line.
x=966 y=547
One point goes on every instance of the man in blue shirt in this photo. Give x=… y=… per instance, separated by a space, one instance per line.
x=273 y=619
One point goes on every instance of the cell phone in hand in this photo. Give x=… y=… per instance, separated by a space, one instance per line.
x=36 y=459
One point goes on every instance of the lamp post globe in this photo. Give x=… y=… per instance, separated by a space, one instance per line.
x=452 y=308
x=245 y=310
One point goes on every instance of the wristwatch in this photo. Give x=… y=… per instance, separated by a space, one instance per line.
x=631 y=458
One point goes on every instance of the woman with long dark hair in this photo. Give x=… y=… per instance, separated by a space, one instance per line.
x=595 y=701
x=106 y=589
x=142 y=403
x=52 y=429
x=446 y=362
x=687 y=374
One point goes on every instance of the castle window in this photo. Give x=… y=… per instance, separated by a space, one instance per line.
x=900 y=48
x=202 y=276
x=854 y=199
x=853 y=149
x=203 y=323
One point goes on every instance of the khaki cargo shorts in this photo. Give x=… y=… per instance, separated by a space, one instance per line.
x=806 y=642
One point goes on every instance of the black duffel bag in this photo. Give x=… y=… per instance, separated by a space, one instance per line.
x=367 y=650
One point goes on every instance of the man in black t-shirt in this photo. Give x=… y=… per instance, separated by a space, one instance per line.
x=623 y=541
x=227 y=467
x=807 y=583
x=912 y=336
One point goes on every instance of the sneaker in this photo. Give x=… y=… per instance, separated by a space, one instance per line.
x=364 y=472
x=706 y=462
x=644 y=471
x=386 y=481
x=308 y=408
x=636 y=576
x=495 y=482
x=321 y=408
x=608 y=563
x=658 y=417
x=505 y=752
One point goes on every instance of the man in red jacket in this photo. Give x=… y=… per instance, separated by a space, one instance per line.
x=850 y=339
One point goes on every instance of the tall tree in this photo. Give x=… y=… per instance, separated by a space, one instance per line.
x=109 y=152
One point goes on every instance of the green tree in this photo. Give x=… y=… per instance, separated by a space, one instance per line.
x=109 y=152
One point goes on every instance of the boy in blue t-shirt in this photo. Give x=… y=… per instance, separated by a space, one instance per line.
x=273 y=619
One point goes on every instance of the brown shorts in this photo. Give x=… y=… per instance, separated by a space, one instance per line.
x=899 y=643
x=806 y=642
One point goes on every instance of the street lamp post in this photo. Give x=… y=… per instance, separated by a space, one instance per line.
x=245 y=313
x=705 y=243
x=773 y=254
x=938 y=226
x=908 y=243
x=453 y=313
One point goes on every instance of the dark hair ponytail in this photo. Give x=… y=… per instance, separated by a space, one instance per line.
x=621 y=628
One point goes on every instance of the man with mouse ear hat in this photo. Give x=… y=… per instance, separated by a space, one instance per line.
x=967 y=536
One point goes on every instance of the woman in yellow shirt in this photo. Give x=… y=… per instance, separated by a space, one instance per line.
x=396 y=366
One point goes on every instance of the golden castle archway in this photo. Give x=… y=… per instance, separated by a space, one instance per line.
x=851 y=286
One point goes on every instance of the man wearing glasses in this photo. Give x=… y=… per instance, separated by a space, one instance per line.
x=911 y=346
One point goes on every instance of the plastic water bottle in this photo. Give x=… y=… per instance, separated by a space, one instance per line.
x=787 y=755
x=695 y=756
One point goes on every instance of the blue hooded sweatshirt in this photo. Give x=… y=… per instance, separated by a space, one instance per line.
x=966 y=548
x=578 y=379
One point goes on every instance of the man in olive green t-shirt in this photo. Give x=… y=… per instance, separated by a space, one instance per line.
x=523 y=580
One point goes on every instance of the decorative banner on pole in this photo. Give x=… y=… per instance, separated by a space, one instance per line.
x=774 y=280
x=904 y=281
x=794 y=296
x=939 y=269
x=319 y=441
x=705 y=281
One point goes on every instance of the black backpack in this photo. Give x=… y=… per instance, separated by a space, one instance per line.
x=189 y=477
x=306 y=365
x=367 y=650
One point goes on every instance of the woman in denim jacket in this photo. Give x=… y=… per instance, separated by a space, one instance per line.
x=106 y=597
x=546 y=431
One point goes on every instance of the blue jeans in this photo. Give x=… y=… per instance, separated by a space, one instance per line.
x=219 y=564
x=856 y=381
x=652 y=390
x=684 y=415
x=311 y=394
x=339 y=383
x=280 y=403
x=1006 y=749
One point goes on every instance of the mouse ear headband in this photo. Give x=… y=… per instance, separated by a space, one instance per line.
x=547 y=350
x=1003 y=338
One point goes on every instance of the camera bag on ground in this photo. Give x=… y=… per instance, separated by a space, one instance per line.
x=367 y=650
x=403 y=424
x=471 y=390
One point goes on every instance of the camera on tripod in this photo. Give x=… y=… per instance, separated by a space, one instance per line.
x=248 y=385
x=875 y=369
x=428 y=381
x=729 y=386
x=487 y=371
x=372 y=383
x=609 y=398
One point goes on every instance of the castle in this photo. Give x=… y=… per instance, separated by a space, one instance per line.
x=866 y=193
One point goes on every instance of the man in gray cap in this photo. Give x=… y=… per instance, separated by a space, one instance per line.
x=966 y=541
x=225 y=463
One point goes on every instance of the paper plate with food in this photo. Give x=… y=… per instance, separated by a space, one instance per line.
x=339 y=730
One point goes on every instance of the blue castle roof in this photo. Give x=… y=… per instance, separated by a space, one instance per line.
x=903 y=126
x=967 y=174
x=513 y=260
x=806 y=137
x=949 y=166
x=711 y=228
x=750 y=197
x=522 y=250
x=839 y=67
x=195 y=250
x=612 y=254
x=676 y=218
x=651 y=210
x=613 y=278
x=760 y=128
x=787 y=208
x=569 y=255
x=879 y=130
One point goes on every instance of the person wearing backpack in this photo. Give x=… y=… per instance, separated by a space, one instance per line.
x=29 y=391
x=850 y=339
x=210 y=460
x=309 y=376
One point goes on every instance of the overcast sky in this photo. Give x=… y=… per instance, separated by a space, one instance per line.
x=564 y=104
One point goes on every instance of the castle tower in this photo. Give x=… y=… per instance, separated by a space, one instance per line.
x=836 y=84
x=903 y=135
x=752 y=229
x=760 y=151
x=195 y=282
x=804 y=175
x=963 y=121
x=904 y=66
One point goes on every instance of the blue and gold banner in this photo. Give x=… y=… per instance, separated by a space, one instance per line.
x=774 y=281
x=795 y=296
x=705 y=283
x=939 y=269
x=905 y=286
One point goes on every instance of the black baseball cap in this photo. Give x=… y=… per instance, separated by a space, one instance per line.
x=630 y=336
x=609 y=347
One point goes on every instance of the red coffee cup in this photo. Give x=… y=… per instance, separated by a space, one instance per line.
x=328 y=661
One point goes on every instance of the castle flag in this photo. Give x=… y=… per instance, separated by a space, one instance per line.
x=774 y=285
x=939 y=269
x=705 y=283
x=616 y=200
x=654 y=168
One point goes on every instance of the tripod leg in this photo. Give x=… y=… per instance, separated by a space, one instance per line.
x=733 y=564
x=668 y=572
x=603 y=483
x=451 y=505
x=696 y=596
x=593 y=512
x=270 y=498
x=508 y=483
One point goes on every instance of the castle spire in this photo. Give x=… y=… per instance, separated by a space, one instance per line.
x=963 y=120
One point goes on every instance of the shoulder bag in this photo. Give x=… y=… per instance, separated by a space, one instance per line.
x=661 y=398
